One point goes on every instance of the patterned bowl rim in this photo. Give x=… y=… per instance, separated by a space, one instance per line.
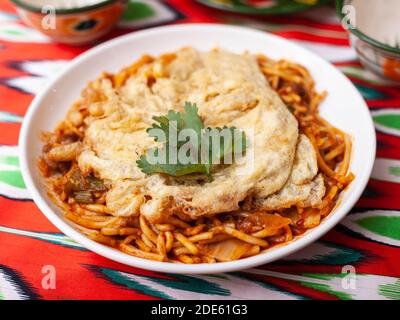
x=363 y=36
x=33 y=8
x=278 y=9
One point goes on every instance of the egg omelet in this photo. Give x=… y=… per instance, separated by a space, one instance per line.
x=229 y=90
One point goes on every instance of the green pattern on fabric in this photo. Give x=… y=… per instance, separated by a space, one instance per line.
x=180 y=282
x=388 y=120
x=394 y=171
x=9 y=160
x=193 y=284
x=120 y=278
x=326 y=288
x=382 y=225
x=217 y=276
x=13 y=32
x=13 y=178
x=369 y=93
x=390 y=291
x=137 y=10
x=342 y=256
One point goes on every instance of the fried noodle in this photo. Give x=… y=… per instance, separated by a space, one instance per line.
x=225 y=237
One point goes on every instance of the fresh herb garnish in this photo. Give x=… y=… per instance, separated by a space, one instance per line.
x=188 y=147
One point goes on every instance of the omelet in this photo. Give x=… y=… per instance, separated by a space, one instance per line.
x=229 y=90
x=304 y=188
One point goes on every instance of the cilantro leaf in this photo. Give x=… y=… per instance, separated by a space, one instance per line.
x=171 y=119
x=198 y=150
x=192 y=119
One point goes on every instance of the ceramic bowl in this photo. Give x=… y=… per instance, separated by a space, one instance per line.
x=374 y=55
x=80 y=24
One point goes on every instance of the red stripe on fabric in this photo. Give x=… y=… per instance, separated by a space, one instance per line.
x=74 y=280
x=8 y=72
x=389 y=103
x=352 y=63
x=299 y=35
x=9 y=133
x=7 y=6
x=15 y=101
x=381 y=194
x=388 y=146
x=24 y=215
x=194 y=12
x=38 y=51
x=382 y=259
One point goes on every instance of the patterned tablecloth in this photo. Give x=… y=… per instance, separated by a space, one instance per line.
x=366 y=242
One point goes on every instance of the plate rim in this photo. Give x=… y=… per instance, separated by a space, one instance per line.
x=167 y=267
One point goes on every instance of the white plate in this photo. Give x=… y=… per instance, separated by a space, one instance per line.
x=344 y=108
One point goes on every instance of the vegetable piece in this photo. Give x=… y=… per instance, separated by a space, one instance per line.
x=95 y=184
x=75 y=182
x=312 y=218
x=81 y=188
x=83 y=197
x=228 y=250
x=266 y=221
x=202 y=153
